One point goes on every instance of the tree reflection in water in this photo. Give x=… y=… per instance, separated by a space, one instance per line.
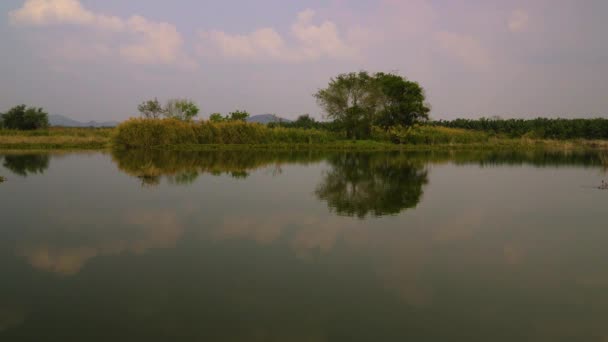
x=378 y=184
x=26 y=164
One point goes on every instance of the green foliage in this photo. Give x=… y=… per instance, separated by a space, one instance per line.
x=25 y=118
x=305 y=121
x=2 y=179
x=181 y=109
x=356 y=101
x=216 y=117
x=238 y=116
x=399 y=102
x=348 y=100
x=151 y=109
x=428 y=135
x=231 y=117
x=539 y=128
x=136 y=133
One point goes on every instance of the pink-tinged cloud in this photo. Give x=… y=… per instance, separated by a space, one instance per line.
x=306 y=42
x=463 y=48
x=149 y=42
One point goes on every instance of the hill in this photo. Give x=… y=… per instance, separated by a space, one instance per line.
x=64 y=121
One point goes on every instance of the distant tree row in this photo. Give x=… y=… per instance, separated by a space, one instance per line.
x=540 y=128
x=185 y=110
x=24 y=118
x=239 y=115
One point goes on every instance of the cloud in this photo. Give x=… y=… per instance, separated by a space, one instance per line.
x=464 y=48
x=136 y=39
x=149 y=230
x=518 y=21
x=310 y=43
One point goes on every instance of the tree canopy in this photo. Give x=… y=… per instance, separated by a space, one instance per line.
x=25 y=118
x=357 y=101
x=151 y=109
x=181 y=109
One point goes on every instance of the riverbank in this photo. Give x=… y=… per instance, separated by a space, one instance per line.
x=57 y=139
x=421 y=139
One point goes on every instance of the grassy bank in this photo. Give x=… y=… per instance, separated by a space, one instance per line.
x=56 y=138
x=178 y=135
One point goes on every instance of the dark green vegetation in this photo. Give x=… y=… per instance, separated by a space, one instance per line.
x=356 y=102
x=540 y=128
x=24 y=118
x=239 y=115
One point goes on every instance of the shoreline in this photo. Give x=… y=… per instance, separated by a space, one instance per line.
x=39 y=144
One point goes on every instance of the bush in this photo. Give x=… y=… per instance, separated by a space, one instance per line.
x=22 y=118
x=136 y=133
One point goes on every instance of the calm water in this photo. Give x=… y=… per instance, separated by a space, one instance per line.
x=309 y=246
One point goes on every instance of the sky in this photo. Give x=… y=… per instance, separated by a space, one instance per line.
x=97 y=60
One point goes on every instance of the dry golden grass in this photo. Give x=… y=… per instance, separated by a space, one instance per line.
x=53 y=142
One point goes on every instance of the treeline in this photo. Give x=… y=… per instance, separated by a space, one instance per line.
x=539 y=128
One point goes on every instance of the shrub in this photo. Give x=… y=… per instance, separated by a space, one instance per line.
x=22 y=118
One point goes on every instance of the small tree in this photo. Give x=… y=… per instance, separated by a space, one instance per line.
x=25 y=118
x=239 y=115
x=216 y=117
x=305 y=121
x=151 y=109
x=181 y=109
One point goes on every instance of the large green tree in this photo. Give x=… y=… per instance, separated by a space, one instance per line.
x=25 y=118
x=357 y=101
x=349 y=101
x=398 y=102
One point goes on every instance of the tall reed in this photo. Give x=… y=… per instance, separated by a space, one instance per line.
x=138 y=133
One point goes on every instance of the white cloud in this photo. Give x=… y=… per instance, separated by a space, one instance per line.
x=518 y=21
x=46 y=12
x=465 y=48
x=310 y=42
x=158 y=43
x=136 y=39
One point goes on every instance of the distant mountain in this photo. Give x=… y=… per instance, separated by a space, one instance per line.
x=63 y=121
x=266 y=118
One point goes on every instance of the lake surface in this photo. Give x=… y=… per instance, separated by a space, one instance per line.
x=303 y=246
